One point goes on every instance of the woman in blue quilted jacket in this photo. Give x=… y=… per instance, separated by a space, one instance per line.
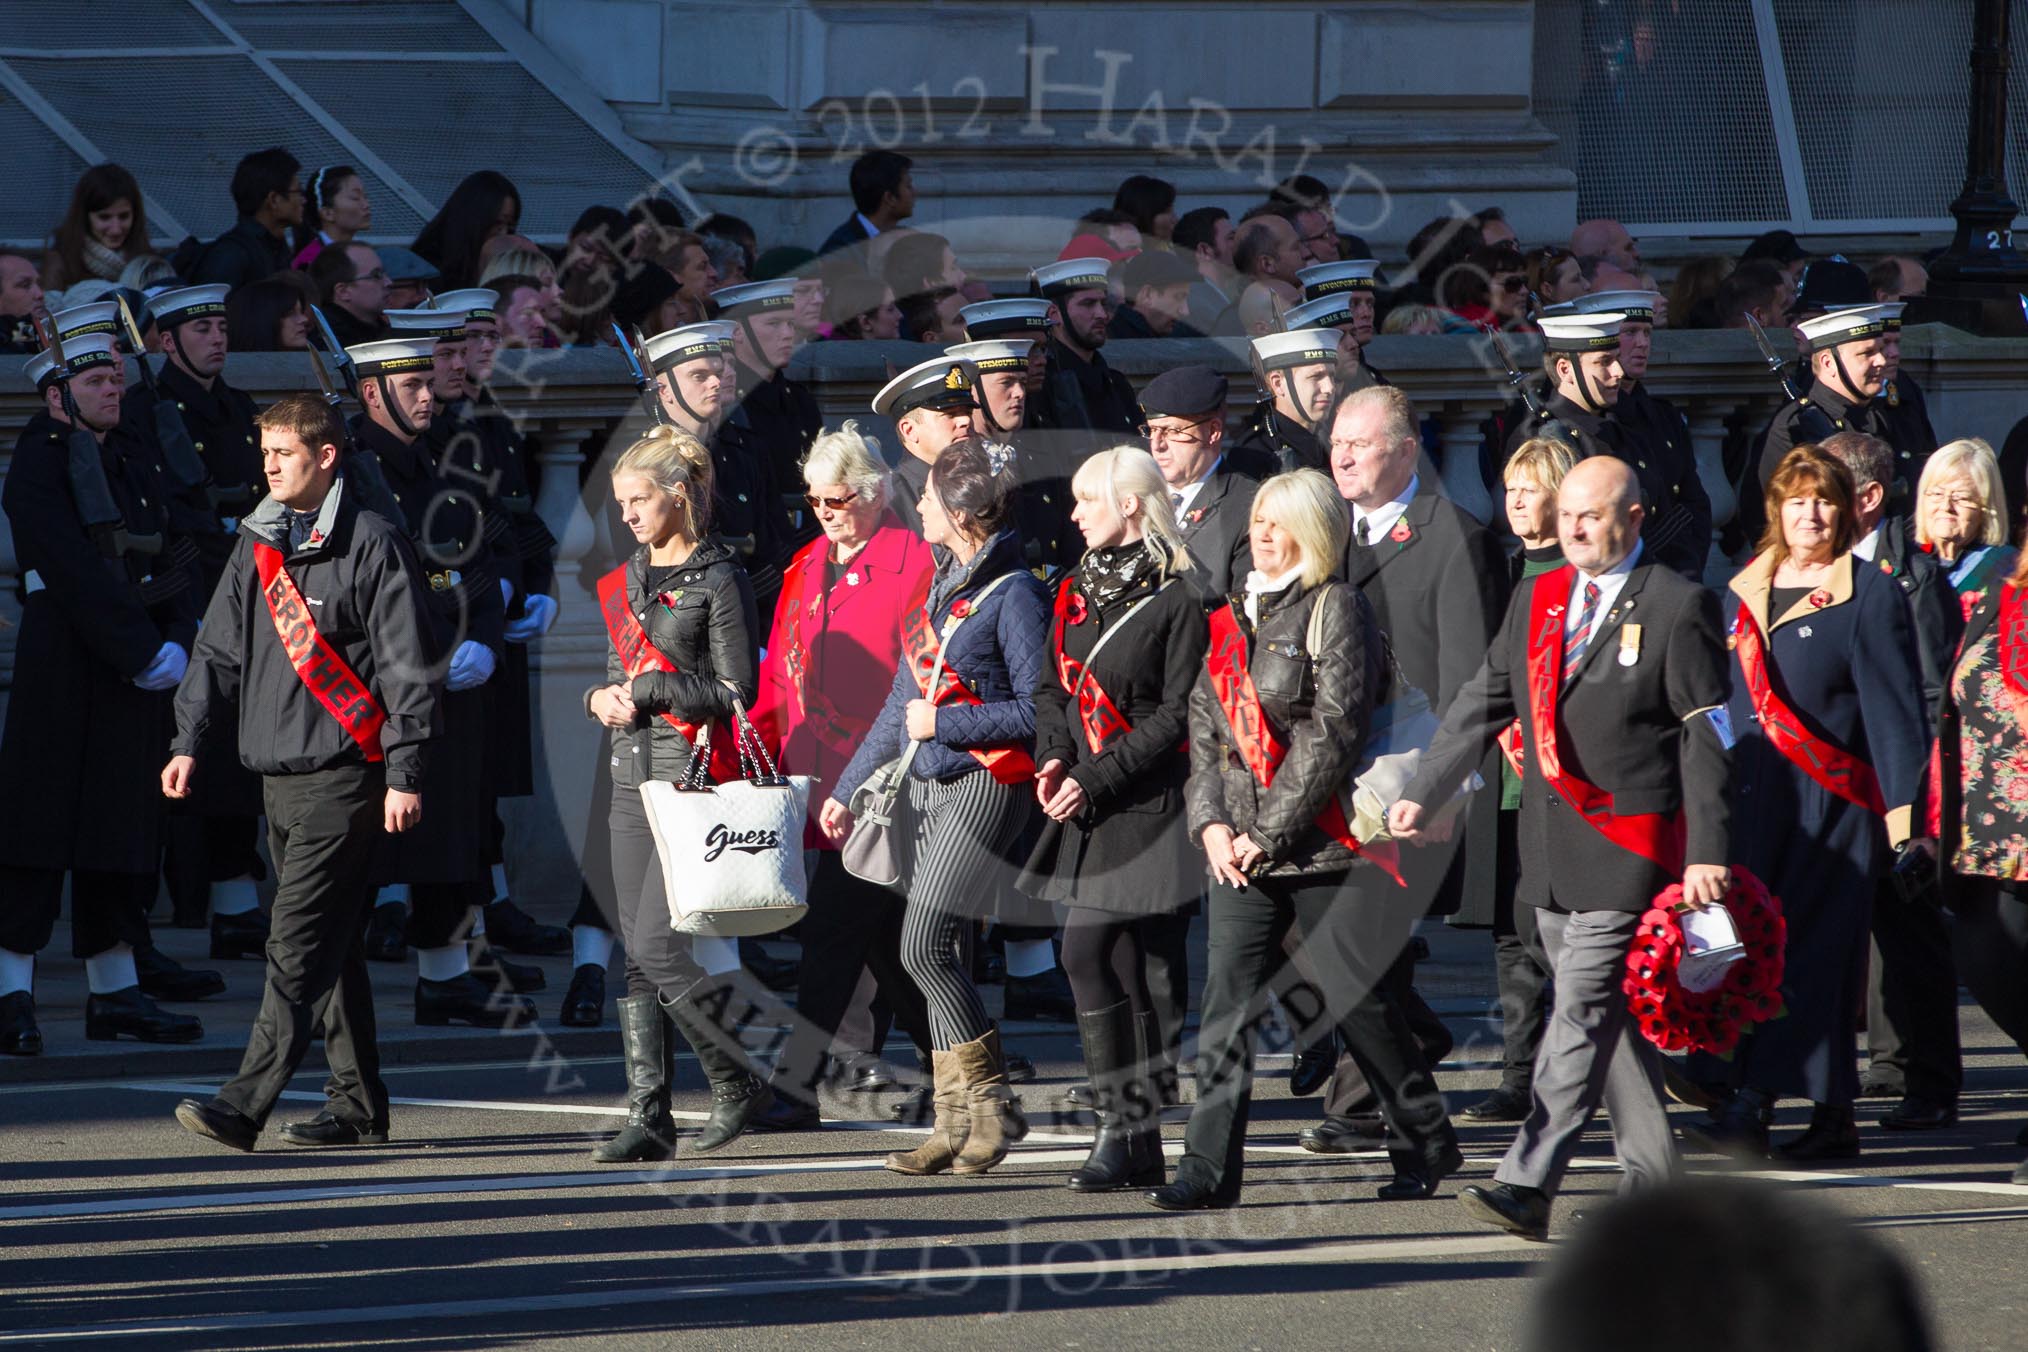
x=970 y=719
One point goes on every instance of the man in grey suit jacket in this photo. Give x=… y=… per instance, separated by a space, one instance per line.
x=1211 y=482
x=1638 y=738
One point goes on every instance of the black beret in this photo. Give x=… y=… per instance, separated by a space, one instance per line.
x=1184 y=392
x=1829 y=283
x=641 y=292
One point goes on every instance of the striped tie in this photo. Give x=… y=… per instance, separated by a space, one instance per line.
x=1579 y=639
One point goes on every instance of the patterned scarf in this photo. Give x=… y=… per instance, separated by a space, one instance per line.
x=103 y=262
x=1106 y=575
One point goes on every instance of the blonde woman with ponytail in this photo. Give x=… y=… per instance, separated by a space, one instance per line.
x=1110 y=717
x=680 y=628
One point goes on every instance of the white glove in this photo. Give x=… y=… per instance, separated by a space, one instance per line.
x=538 y=612
x=166 y=670
x=506 y=592
x=471 y=666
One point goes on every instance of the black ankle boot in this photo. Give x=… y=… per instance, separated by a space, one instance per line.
x=243 y=934
x=650 y=1133
x=1740 y=1129
x=707 y=1015
x=1833 y=1134
x=130 y=1013
x=164 y=978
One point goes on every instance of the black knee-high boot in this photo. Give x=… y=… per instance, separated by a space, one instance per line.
x=1123 y=1099
x=650 y=1133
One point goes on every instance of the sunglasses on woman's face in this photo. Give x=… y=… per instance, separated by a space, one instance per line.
x=1514 y=282
x=835 y=504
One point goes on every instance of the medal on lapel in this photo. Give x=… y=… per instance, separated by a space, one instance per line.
x=1630 y=644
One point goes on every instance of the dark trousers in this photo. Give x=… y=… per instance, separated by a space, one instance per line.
x=322 y=828
x=1352 y=936
x=440 y=914
x=1991 y=940
x=199 y=849
x=656 y=953
x=852 y=925
x=1520 y=966
x=1912 y=1000
x=105 y=909
x=1166 y=941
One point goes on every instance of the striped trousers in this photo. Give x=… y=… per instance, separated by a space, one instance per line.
x=963 y=831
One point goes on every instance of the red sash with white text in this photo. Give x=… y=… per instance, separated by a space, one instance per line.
x=638 y=653
x=1832 y=767
x=1008 y=763
x=1654 y=837
x=1232 y=682
x=336 y=686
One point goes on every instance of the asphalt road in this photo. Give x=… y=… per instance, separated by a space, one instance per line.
x=484 y=1224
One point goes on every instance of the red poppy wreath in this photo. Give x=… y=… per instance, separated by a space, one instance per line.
x=1675 y=1018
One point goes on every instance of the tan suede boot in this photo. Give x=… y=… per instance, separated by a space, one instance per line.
x=949 y=1128
x=996 y=1116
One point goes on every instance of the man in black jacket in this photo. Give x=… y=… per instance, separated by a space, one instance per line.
x=1437 y=584
x=933 y=404
x=336 y=729
x=1340 y=296
x=1211 y=483
x=1912 y=982
x=883 y=196
x=1082 y=392
x=267 y=190
x=1851 y=350
x=782 y=412
x=108 y=615
x=1636 y=658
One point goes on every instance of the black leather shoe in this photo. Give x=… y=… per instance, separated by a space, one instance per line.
x=1044 y=998
x=1518 y=1211
x=916 y=1107
x=244 y=935
x=868 y=1075
x=19 y=1034
x=512 y=930
x=164 y=978
x=1183 y=1195
x=326 y=1128
x=1740 y=1130
x=387 y=933
x=1920 y=1114
x=1502 y=1105
x=521 y=978
x=1018 y=1068
x=466 y=999
x=1343 y=1136
x=1871 y=1087
x=1832 y=1135
x=788 y=1114
x=1311 y=1070
x=777 y=974
x=216 y=1121
x=130 y=1013
x=584 y=1004
x=1416 y=1182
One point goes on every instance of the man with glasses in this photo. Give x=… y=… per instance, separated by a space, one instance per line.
x=1210 y=483
x=267 y=191
x=352 y=291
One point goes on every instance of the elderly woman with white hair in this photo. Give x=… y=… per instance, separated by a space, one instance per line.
x=833 y=652
x=1961 y=516
x=1110 y=718
x=1279 y=716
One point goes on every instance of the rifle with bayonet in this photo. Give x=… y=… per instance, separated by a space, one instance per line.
x=635 y=349
x=1517 y=379
x=360 y=467
x=179 y=454
x=1775 y=364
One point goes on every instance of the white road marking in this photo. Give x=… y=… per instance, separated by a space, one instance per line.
x=932 y=1283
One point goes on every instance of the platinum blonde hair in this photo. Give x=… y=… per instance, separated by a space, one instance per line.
x=1306 y=505
x=673 y=460
x=850 y=457
x=1126 y=472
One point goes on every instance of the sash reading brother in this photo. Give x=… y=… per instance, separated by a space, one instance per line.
x=336 y=686
x=1263 y=752
x=1654 y=837
x=1096 y=713
x=1834 y=768
x=638 y=653
x=1008 y=764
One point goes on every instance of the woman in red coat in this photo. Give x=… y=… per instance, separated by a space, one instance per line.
x=830 y=659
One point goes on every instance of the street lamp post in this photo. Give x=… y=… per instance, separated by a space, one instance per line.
x=1979 y=281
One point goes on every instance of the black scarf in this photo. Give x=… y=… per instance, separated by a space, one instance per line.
x=1105 y=575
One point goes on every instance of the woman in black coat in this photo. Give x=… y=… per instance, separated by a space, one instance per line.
x=680 y=649
x=1278 y=719
x=1110 y=718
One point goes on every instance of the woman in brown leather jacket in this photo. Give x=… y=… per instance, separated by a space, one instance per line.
x=1277 y=723
x=680 y=650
